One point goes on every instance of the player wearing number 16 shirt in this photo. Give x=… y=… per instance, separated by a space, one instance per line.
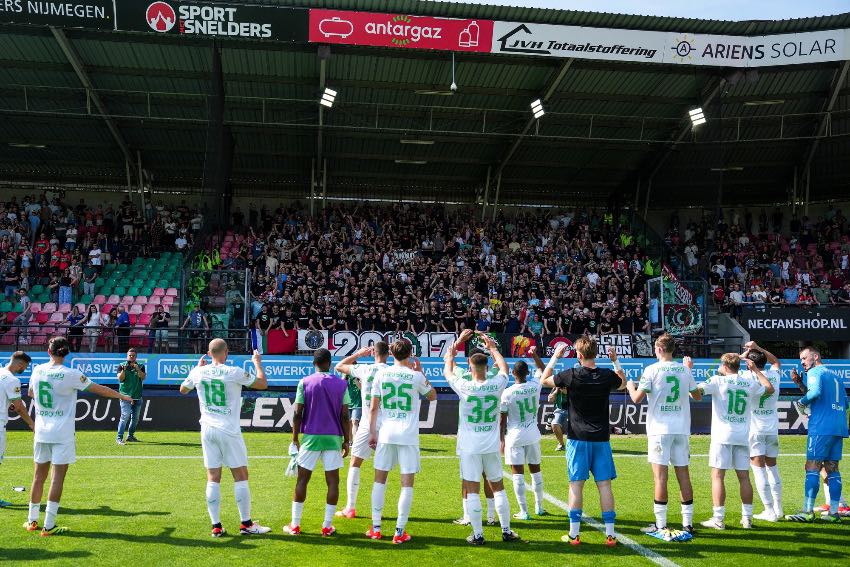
x=220 y=397
x=478 y=433
x=394 y=404
x=666 y=386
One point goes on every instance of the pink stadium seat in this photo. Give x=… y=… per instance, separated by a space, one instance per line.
x=57 y=317
x=49 y=307
x=158 y=292
x=140 y=300
x=8 y=338
x=113 y=300
x=35 y=307
x=42 y=317
x=133 y=318
x=99 y=299
x=64 y=308
x=144 y=320
x=172 y=292
x=81 y=307
x=149 y=309
x=128 y=300
x=107 y=307
x=156 y=300
x=138 y=337
x=136 y=309
x=168 y=301
x=10 y=317
x=38 y=339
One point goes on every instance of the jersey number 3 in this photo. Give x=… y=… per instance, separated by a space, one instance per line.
x=483 y=409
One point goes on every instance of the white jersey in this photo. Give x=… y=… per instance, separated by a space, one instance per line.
x=667 y=385
x=10 y=390
x=219 y=394
x=732 y=401
x=765 y=419
x=399 y=389
x=366 y=373
x=54 y=389
x=478 y=411
x=520 y=403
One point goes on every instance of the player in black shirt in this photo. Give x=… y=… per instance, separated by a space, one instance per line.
x=588 y=429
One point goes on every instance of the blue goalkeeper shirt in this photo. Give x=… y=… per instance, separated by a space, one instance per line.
x=828 y=402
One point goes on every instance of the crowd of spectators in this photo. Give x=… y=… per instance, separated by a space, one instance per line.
x=426 y=268
x=62 y=248
x=768 y=259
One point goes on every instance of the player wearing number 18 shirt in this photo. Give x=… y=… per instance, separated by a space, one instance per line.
x=478 y=433
x=666 y=386
x=220 y=397
x=733 y=398
x=395 y=403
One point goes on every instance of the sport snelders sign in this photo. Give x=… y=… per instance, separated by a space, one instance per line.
x=96 y=14
x=213 y=19
x=789 y=323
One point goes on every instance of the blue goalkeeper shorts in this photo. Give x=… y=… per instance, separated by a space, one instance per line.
x=586 y=457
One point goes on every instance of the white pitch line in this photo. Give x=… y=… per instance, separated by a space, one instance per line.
x=599 y=526
x=428 y=457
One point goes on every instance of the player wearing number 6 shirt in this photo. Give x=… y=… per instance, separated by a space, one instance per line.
x=478 y=433
x=733 y=398
x=360 y=450
x=395 y=402
x=53 y=388
x=666 y=386
x=220 y=397
x=521 y=435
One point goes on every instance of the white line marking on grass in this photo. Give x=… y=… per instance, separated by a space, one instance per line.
x=434 y=457
x=599 y=526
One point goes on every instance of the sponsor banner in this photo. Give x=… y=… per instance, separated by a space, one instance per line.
x=96 y=14
x=273 y=411
x=546 y=40
x=794 y=323
x=213 y=19
x=400 y=30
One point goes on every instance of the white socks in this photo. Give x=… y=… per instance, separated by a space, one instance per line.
x=352 y=485
x=688 y=514
x=747 y=510
x=719 y=513
x=660 y=511
x=503 y=508
x=519 y=492
x=491 y=508
x=214 y=502
x=50 y=514
x=465 y=509
x=537 y=485
x=473 y=508
x=297 y=510
x=760 y=475
x=378 y=491
x=775 y=488
x=330 y=509
x=243 y=499
x=405 y=501
x=35 y=510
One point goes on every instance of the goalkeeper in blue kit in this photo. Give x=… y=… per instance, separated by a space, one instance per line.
x=826 y=403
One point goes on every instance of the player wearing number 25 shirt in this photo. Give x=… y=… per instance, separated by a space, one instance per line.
x=220 y=397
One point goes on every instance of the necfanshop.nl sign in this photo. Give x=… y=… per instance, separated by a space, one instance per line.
x=794 y=324
x=97 y=14
x=213 y=19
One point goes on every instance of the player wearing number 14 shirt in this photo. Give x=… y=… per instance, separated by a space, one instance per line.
x=220 y=397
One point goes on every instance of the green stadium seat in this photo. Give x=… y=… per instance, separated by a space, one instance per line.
x=37 y=290
x=18 y=308
x=87 y=299
x=120 y=291
x=6 y=306
x=134 y=291
x=146 y=291
x=122 y=268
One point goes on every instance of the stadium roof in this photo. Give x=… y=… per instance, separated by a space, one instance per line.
x=607 y=124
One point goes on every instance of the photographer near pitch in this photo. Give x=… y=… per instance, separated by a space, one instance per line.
x=131 y=375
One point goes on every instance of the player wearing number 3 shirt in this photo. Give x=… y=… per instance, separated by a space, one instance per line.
x=220 y=397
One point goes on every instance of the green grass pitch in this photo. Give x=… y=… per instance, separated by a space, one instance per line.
x=150 y=510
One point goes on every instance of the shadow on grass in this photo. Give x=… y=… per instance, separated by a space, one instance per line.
x=107 y=511
x=19 y=554
x=166 y=537
x=164 y=444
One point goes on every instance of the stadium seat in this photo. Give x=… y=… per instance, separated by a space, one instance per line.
x=128 y=300
x=39 y=338
x=158 y=292
x=172 y=292
x=49 y=307
x=156 y=300
x=135 y=309
x=42 y=317
x=35 y=307
x=168 y=301
x=57 y=317
x=37 y=290
x=113 y=299
x=81 y=307
x=140 y=300
x=133 y=318
x=86 y=299
x=8 y=338
x=149 y=308
x=139 y=337
x=99 y=299
x=63 y=308
x=107 y=307
x=144 y=320
x=5 y=306
x=119 y=291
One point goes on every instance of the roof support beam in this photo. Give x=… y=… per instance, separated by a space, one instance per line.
x=80 y=70
x=547 y=94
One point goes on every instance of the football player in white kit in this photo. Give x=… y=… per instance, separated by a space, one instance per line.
x=10 y=395
x=53 y=388
x=764 y=436
x=219 y=388
x=394 y=432
x=666 y=386
x=478 y=434
x=360 y=450
x=520 y=436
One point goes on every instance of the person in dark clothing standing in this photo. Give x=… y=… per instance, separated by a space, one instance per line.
x=588 y=429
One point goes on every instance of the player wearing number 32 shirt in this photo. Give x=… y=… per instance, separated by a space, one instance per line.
x=220 y=397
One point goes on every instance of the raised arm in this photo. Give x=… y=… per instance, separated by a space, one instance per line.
x=768 y=387
x=547 y=380
x=260 y=383
x=538 y=362
x=771 y=358
x=493 y=348
x=618 y=369
x=346 y=365
x=105 y=392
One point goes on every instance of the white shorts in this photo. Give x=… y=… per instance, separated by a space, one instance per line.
x=360 y=447
x=472 y=466
x=331 y=460
x=388 y=455
x=762 y=445
x=56 y=453
x=669 y=449
x=729 y=457
x=2 y=443
x=222 y=449
x=523 y=454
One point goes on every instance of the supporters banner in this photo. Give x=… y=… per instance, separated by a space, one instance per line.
x=213 y=19
x=312 y=340
x=95 y=14
x=544 y=40
x=789 y=323
x=400 y=30
x=273 y=411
